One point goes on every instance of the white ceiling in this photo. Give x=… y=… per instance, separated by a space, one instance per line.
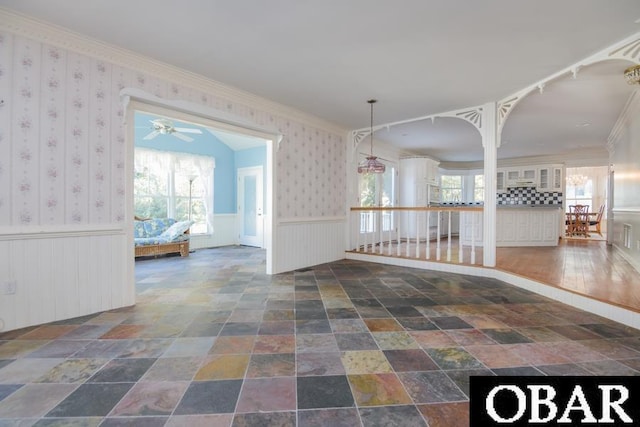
x=417 y=57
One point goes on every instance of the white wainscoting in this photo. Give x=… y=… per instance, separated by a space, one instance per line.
x=304 y=243
x=225 y=233
x=631 y=218
x=64 y=273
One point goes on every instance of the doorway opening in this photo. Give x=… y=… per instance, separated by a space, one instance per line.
x=228 y=141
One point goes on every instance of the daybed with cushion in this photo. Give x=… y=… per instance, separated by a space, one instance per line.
x=159 y=236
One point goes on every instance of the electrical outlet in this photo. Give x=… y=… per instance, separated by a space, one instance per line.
x=10 y=287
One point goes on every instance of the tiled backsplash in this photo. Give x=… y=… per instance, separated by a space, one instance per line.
x=528 y=196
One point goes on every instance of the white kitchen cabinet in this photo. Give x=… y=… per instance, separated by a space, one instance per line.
x=525 y=226
x=514 y=176
x=501 y=185
x=544 y=177
x=418 y=181
x=550 y=178
x=557 y=181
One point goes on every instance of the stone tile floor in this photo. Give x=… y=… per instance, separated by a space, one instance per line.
x=214 y=341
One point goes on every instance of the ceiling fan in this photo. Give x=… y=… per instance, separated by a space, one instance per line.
x=165 y=127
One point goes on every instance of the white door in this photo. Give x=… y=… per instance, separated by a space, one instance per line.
x=250 y=207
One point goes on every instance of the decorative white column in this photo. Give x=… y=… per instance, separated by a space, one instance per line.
x=490 y=143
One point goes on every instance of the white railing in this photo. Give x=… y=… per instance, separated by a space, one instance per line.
x=417 y=232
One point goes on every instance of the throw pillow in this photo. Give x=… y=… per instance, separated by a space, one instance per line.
x=176 y=229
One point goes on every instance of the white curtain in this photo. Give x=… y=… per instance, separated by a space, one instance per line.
x=201 y=167
x=185 y=164
x=599 y=176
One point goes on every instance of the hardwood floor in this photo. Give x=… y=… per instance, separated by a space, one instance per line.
x=587 y=267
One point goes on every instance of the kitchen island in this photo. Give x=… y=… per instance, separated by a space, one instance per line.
x=516 y=225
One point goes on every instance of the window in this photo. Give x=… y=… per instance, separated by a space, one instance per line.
x=451 y=188
x=174 y=185
x=579 y=191
x=478 y=188
x=375 y=189
x=587 y=186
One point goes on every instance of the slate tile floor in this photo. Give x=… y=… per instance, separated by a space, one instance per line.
x=214 y=341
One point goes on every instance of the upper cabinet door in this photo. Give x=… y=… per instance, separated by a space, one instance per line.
x=529 y=174
x=544 y=179
x=558 y=181
x=513 y=175
x=500 y=182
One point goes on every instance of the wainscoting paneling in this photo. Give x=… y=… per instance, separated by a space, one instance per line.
x=306 y=243
x=224 y=233
x=630 y=217
x=63 y=277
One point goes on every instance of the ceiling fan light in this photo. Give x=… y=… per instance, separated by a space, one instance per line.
x=632 y=74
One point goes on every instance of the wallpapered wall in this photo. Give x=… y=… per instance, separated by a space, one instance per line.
x=62 y=140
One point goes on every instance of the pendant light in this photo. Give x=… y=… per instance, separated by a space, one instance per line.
x=371 y=164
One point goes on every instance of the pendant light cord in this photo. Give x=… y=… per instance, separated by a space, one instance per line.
x=371 y=102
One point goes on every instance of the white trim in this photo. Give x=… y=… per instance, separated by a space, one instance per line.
x=318 y=219
x=615 y=51
x=241 y=174
x=198 y=110
x=50 y=232
x=48 y=33
x=631 y=210
x=632 y=105
x=615 y=313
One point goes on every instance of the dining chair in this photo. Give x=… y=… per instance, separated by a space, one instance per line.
x=578 y=222
x=596 y=221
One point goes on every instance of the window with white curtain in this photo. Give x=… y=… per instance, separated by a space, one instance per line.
x=174 y=185
x=586 y=186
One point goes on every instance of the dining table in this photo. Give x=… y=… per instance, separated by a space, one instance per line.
x=577 y=224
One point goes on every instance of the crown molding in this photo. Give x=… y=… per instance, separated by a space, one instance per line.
x=629 y=113
x=64 y=38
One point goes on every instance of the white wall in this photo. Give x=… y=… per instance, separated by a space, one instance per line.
x=624 y=144
x=62 y=166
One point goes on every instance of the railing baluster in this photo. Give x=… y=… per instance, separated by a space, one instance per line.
x=438 y=238
x=408 y=231
x=380 y=223
x=460 y=251
x=417 y=234
x=473 y=238
x=428 y=251
x=358 y=229
x=366 y=230
x=398 y=234
x=391 y=216
x=397 y=226
x=449 y=237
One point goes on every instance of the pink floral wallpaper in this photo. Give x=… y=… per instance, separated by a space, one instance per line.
x=62 y=140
